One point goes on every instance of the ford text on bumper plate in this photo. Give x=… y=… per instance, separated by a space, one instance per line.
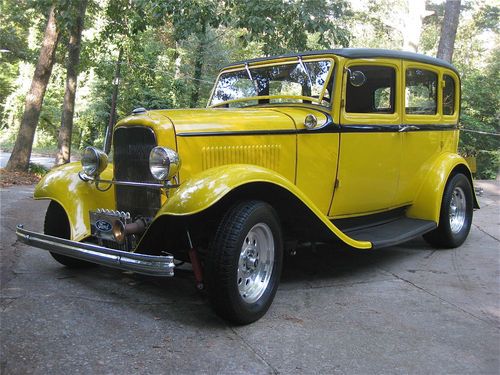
x=139 y=263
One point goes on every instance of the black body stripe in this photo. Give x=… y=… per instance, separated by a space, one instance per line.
x=330 y=128
x=358 y=128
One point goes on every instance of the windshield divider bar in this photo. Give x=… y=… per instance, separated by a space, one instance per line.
x=303 y=66
x=248 y=72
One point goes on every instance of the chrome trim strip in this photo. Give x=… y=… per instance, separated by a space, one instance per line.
x=330 y=127
x=131 y=183
x=166 y=185
x=139 y=263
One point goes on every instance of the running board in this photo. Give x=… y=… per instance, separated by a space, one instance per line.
x=384 y=229
x=392 y=233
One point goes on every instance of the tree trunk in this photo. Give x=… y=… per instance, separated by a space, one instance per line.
x=19 y=160
x=114 y=98
x=198 y=67
x=66 y=129
x=449 y=30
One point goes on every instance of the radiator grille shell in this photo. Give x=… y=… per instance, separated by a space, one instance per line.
x=132 y=146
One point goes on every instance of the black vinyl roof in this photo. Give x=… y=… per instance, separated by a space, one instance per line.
x=359 y=53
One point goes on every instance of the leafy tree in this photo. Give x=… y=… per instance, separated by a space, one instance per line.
x=17 y=23
x=73 y=59
x=481 y=107
x=19 y=159
x=393 y=24
x=173 y=50
x=284 y=26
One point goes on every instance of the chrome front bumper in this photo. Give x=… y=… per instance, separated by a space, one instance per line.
x=140 y=263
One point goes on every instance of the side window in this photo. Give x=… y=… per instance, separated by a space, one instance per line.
x=448 y=95
x=421 y=93
x=370 y=89
x=383 y=99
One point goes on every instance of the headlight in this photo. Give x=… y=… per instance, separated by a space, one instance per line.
x=163 y=163
x=93 y=161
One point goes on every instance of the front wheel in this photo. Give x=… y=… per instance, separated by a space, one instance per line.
x=243 y=267
x=456 y=214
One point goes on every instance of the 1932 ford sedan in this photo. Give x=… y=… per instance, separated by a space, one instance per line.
x=351 y=145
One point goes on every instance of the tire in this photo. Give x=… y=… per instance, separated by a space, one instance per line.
x=57 y=224
x=243 y=267
x=456 y=214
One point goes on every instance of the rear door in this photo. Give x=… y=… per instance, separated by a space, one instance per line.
x=370 y=142
x=430 y=117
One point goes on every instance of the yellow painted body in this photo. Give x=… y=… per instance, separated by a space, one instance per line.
x=208 y=187
x=77 y=197
x=335 y=174
x=276 y=152
x=427 y=203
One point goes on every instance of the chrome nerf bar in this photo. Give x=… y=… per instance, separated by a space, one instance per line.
x=140 y=263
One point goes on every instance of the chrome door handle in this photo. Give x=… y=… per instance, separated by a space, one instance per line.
x=406 y=128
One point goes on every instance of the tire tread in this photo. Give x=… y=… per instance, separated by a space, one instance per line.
x=220 y=264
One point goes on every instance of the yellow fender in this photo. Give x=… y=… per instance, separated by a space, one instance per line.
x=427 y=205
x=208 y=187
x=77 y=197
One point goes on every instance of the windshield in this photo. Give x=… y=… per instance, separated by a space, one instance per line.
x=294 y=82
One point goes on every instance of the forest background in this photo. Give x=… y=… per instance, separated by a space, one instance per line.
x=166 y=54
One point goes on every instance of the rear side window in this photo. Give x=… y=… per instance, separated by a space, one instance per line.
x=421 y=93
x=448 y=95
x=370 y=89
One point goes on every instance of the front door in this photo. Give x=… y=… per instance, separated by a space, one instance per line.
x=370 y=141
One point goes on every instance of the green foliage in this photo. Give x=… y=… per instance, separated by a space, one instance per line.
x=481 y=109
x=479 y=65
x=488 y=18
x=37 y=169
x=488 y=164
x=7 y=85
x=284 y=26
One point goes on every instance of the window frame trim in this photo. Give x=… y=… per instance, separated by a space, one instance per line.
x=372 y=117
x=416 y=118
x=456 y=109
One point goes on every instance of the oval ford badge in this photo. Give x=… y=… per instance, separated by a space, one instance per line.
x=103 y=225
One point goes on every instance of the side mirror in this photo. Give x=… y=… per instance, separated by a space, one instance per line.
x=356 y=78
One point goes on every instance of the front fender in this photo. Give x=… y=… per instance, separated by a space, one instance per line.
x=208 y=187
x=427 y=204
x=77 y=197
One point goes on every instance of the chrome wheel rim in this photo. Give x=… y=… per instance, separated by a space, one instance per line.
x=458 y=208
x=255 y=264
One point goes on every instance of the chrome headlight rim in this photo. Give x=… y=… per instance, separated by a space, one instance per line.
x=164 y=163
x=310 y=121
x=93 y=161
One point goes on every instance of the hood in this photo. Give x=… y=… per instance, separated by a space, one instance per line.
x=216 y=120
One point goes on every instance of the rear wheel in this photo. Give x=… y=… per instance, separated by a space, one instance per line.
x=57 y=224
x=243 y=267
x=456 y=214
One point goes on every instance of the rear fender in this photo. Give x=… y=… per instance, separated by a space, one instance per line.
x=427 y=205
x=77 y=197
x=208 y=187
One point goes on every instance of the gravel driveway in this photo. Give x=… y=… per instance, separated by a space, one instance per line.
x=405 y=309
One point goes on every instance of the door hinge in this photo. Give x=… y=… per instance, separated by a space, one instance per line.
x=337 y=184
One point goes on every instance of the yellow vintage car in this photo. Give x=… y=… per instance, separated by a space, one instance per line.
x=352 y=146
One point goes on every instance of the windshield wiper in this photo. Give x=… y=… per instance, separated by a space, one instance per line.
x=303 y=66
